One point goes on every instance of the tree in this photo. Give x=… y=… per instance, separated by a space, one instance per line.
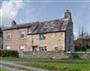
x=81 y=42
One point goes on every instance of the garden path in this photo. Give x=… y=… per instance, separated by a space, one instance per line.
x=15 y=66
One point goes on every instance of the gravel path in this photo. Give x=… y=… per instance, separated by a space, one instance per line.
x=10 y=68
x=15 y=66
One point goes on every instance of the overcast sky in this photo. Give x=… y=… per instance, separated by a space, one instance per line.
x=24 y=11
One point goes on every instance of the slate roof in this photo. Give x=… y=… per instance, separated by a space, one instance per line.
x=43 y=27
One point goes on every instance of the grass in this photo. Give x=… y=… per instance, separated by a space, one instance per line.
x=60 y=66
x=55 y=64
x=3 y=69
x=88 y=50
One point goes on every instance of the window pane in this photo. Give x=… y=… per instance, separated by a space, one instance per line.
x=8 y=47
x=42 y=36
x=44 y=48
x=8 y=36
x=22 y=34
x=22 y=48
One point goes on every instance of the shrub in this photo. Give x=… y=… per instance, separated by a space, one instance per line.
x=74 y=56
x=9 y=53
x=84 y=49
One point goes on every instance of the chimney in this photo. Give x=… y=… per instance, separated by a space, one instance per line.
x=13 y=23
x=67 y=14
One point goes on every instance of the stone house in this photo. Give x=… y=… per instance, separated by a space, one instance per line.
x=53 y=35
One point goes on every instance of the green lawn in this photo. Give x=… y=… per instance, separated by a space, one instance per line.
x=55 y=64
x=62 y=66
x=3 y=69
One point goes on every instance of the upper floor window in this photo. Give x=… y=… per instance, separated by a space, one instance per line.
x=22 y=35
x=42 y=36
x=8 y=36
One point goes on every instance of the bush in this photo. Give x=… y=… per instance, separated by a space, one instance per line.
x=84 y=49
x=9 y=53
x=74 y=56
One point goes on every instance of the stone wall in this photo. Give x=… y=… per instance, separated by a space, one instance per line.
x=54 y=55
x=15 y=41
x=49 y=54
x=51 y=41
x=82 y=55
x=70 y=37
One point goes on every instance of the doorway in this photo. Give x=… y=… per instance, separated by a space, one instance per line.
x=34 y=48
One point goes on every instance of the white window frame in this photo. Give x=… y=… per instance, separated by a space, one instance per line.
x=24 y=34
x=22 y=47
x=8 y=35
x=8 y=47
x=42 y=36
x=42 y=48
x=29 y=30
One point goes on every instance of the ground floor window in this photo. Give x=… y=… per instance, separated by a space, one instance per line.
x=43 y=48
x=22 y=47
x=8 y=47
x=34 y=48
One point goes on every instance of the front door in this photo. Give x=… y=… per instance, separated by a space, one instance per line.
x=34 y=48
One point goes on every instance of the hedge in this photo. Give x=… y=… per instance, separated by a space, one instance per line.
x=74 y=56
x=9 y=53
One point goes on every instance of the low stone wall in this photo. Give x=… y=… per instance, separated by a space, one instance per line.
x=54 y=55
x=83 y=55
